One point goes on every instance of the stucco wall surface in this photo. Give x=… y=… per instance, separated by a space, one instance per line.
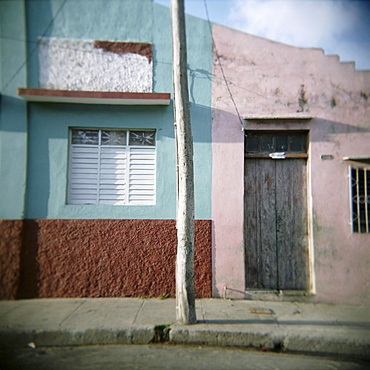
x=71 y=64
x=63 y=42
x=70 y=250
x=10 y=242
x=48 y=155
x=269 y=79
x=97 y=258
x=13 y=117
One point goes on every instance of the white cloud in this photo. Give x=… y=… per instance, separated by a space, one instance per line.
x=300 y=23
x=338 y=26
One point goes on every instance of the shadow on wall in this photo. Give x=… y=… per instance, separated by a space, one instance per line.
x=10 y=242
x=40 y=22
x=321 y=130
x=324 y=129
x=227 y=128
x=28 y=265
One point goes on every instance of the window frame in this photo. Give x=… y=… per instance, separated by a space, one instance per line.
x=129 y=149
x=356 y=212
x=276 y=133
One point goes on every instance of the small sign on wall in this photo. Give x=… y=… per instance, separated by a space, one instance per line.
x=280 y=155
x=326 y=157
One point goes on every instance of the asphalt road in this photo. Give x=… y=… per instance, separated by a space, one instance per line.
x=163 y=357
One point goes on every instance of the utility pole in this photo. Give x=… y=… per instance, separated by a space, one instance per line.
x=185 y=291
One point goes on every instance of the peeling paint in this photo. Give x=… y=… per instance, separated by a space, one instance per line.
x=333 y=103
x=73 y=64
x=141 y=48
x=302 y=100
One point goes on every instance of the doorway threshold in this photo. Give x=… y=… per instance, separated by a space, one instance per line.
x=279 y=295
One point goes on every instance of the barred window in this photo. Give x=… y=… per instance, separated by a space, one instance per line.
x=360 y=189
x=111 y=167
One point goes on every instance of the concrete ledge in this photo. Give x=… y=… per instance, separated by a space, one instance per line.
x=94 y=97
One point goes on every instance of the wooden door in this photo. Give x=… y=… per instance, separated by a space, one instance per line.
x=276 y=230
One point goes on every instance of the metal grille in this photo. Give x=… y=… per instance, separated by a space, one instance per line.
x=360 y=186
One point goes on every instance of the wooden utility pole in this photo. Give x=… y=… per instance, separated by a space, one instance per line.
x=185 y=292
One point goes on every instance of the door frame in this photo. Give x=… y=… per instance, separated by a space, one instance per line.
x=311 y=289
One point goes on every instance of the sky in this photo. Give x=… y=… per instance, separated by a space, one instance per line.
x=340 y=27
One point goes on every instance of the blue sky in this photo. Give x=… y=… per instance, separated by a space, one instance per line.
x=339 y=27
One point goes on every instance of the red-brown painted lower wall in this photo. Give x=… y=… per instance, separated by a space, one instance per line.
x=10 y=243
x=97 y=258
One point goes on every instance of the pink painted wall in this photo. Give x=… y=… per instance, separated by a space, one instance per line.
x=269 y=79
x=227 y=207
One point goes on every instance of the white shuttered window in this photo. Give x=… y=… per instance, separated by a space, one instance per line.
x=112 y=167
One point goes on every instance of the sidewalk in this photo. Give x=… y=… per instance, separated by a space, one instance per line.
x=284 y=326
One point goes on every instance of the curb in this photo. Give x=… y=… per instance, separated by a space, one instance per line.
x=331 y=342
x=60 y=338
x=320 y=342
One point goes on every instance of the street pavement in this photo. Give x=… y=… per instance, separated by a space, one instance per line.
x=165 y=356
x=290 y=327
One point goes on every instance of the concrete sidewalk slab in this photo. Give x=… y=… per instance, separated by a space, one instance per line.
x=284 y=326
x=157 y=312
x=64 y=322
x=40 y=314
x=285 y=312
x=95 y=311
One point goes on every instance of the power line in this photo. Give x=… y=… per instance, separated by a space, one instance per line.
x=221 y=67
x=28 y=56
x=36 y=44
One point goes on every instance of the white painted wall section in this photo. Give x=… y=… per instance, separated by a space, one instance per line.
x=71 y=64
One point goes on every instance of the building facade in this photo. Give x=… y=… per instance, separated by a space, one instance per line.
x=290 y=179
x=88 y=173
x=88 y=164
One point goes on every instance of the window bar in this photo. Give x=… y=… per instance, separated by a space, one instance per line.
x=128 y=166
x=358 y=200
x=366 y=200
x=99 y=165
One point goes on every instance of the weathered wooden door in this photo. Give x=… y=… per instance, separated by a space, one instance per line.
x=276 y=230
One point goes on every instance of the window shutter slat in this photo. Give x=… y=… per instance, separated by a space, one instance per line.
x=142 y=176
x=112 y=175
x=83 y=174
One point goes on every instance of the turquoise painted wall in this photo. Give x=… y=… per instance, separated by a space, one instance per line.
x=48 y=157
x=128 y=20
x=200 y=54
x=13 y=110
